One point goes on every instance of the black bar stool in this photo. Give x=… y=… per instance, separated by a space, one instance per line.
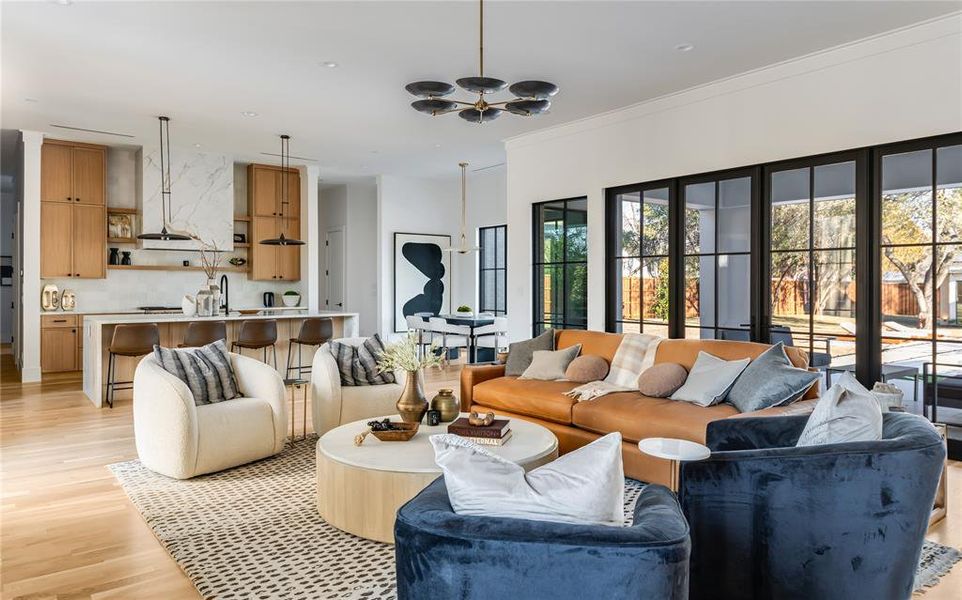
x=258 y=334
x=201 y=333
x=314 y=332
x=131 y=340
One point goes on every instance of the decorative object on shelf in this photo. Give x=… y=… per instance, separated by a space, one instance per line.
x=268 y=299
x=126 y=258
x=188 y=305
x=240 y=238
x=210 y=258
x=416 y=256
x=479 y=420
x=433 y=418
x=388 y=431
x=120 y=226
x=50 y=297
x=531 y=97
x=68 y=300
x=114 y=257
x=463 y=247
x=282 y=240
x=238 y=261
x=163 y=234
x=291 y=298
x=403 y=356
x=186 y=263
x=446 y=404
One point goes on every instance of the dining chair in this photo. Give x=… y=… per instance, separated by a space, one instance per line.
x=420 y=327
x=494 y=335
x=451 y=336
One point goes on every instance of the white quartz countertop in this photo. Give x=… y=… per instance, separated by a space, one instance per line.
x=234 y=316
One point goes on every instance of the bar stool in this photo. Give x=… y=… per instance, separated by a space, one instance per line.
x=201 y=333
x=258 y=334
x=131 y=340
x=314 y=332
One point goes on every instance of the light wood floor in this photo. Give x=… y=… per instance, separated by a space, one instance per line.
x=68 y=530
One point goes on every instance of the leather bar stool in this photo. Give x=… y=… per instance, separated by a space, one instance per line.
x=259 y=334
x=314 y=332
x=133 y=340
x=201 y=333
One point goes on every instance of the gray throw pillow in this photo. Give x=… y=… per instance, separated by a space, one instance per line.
x=550 y=365
x=770 y=380
x=521 y=353
x=206 y=371
x=357 y=365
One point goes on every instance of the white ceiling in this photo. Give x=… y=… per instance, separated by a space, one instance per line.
x=115 y=66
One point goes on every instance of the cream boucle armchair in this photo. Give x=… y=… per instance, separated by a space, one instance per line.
x=180 y=440
x=333 y=404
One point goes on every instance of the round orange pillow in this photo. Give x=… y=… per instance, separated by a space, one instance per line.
x=662 y=380
x=587 y=368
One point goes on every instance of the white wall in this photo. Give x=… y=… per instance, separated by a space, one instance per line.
x=894 y=87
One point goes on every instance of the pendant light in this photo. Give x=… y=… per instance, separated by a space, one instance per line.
x=282 y=240
x=462 y=247
x=163 y=234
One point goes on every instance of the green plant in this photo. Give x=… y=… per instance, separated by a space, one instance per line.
x=464 y=308
x=292 y=293
x=403 y=356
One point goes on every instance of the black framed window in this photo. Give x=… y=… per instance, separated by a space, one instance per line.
x=560 y=264
x=492 y=271
x=717 y=250
x=640 y=297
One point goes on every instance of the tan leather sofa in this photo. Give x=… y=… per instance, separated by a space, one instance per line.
x=485 y=387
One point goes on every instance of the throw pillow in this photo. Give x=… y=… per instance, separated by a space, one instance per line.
x=587 y=368
x=521 y=353
x=206 y=371
x=550 y=365
x=770 y=380
x=710 y=379
x=586 y=486
x=662 y=380
x=846 y=413
x=357 y=365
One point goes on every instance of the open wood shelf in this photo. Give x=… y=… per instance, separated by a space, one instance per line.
x=112 y=240
x=242 y=218
x=230 y=269
x=122 y=211
x=242 y=244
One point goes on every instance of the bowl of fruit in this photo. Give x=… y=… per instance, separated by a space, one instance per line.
x=387 y=430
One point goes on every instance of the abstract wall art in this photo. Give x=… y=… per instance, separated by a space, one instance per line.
x=422 y=276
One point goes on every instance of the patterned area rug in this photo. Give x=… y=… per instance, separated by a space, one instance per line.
x=254 y=532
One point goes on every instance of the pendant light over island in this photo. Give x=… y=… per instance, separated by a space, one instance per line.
x=283 y=240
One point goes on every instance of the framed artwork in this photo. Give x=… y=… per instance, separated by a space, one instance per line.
x=422 y=276
x=120 y=226
x=239 y=238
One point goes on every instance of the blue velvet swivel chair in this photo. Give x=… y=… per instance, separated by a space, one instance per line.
x=443 y=556
x=838 y=521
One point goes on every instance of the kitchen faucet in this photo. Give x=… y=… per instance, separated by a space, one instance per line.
x=225 y=294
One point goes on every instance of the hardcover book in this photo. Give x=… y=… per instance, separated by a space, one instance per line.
x=495 y=430
x=490 y=441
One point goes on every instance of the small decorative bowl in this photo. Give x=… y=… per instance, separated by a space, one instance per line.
x=405 y=432
x=249 y=311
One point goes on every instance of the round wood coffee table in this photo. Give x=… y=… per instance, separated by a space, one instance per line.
x=360 y=488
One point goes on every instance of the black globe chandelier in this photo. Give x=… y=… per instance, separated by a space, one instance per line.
x=531 y=97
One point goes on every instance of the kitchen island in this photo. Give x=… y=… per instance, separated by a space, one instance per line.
x=98 y=331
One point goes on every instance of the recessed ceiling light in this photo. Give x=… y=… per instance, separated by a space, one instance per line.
x=64 y=2
x=249 y=113
x=30 y=100
x=329 y=64
x=196 y=145
x=684 y=47
x=437 y=145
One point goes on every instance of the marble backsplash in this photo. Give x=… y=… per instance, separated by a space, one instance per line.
x=201 y=200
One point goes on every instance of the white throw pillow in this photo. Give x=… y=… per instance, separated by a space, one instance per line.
x=710 y=379
x=586 y=486
x=550 y=365
x=846 y=413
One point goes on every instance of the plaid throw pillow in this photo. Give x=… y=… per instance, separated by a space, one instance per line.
x=206 y=371
x=357 y=365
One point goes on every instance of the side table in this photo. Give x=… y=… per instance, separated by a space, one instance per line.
x=293 y=385
x=675 y=451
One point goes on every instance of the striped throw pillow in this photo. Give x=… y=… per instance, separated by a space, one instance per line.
x=206 y=371
x=357 y=365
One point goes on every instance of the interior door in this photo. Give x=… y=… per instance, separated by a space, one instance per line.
x=89 y=241
x=87 y=174
x=334 y=268
x=56 y=239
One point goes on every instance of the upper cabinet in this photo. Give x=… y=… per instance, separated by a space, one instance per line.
x=265 y=190
x=73 y=172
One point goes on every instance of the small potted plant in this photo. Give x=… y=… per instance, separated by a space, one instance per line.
x=464 y=311
x=291 y=298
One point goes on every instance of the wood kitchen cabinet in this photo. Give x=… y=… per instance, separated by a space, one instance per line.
x=275 y=263
x=60 y=343
x=73 y=240
x=73 y=173
x=265 y=191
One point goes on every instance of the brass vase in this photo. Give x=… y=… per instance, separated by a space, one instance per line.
x=412 y=404
x=446 y=404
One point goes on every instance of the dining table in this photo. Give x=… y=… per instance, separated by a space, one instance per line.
x=473 y=322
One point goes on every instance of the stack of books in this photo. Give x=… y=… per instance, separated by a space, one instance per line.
x=495 y=434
